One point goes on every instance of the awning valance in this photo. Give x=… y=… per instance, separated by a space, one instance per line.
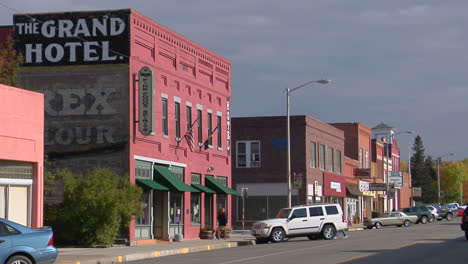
x=166 y=178
x=353 y=189
x=202 y=188
x=218 y=187
x=151 y=184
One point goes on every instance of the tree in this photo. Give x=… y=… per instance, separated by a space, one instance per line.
x=10 y=62
x=96 y=207
x=453 y=174
x=421 y=175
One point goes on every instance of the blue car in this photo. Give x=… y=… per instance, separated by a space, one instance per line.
x=23 y=245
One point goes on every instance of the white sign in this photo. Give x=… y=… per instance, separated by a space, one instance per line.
x=310 y=189
x=363 y=186
x=318 y=190
x=336 y=186
x=145 y=101
x=395 y=178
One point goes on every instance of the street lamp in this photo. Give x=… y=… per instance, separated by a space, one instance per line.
x=409 y=167
x=288 y=129
x=438 y=174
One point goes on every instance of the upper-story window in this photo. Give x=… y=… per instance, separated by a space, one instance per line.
x=218 y=125
x=200 y=127
x=367 y=159
x=338 y=162
x=322 y=156
x=177 y=120
x=248 y=154
x=164 y=117
x=331 y=162
x=313 y=155
x=210 y=127
x=188 y=115
x=360 y=158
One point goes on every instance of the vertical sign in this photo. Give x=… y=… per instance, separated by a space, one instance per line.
x=228 y=126
x=145 y=101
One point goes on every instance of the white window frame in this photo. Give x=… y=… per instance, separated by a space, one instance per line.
x=248 y=154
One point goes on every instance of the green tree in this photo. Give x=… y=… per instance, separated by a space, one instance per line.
x=10 y=62
x=453 y=174
x=421 y=176
x=96 y=206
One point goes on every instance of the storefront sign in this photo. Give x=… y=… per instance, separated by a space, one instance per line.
x=145 y=101
x=73 y=38
x=297 y=180
x=376 y=187
x=362 y=172
x=336 y=186
x=333 y=185
x=228 y=126
x=395 y=178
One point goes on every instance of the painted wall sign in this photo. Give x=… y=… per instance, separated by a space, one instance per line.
x=145 y=101
x=73 y=38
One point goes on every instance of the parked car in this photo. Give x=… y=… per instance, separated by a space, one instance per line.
x=445 y=212
x=460 y=211
x=464 y=222
x=392 y=219
x=434 y=212
x=313 y=221
x=422 y=212
x=22 y=245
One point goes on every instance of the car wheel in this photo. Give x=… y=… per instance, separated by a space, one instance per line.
x=277 y=235
x=407 y=223
x=378 y=225
x=328 y=232
x=431 y=219
x=424 y=220
x=449 y=217
x=19 y=259
x=261 y=240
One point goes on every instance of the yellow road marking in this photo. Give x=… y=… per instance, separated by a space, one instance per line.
x=229 y=245
x=77 y=262
x=184 y=250
x=120 y=259
x=156 y=253
x=209 y=248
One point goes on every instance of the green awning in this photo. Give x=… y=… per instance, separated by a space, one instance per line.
x=217 y=186
x=202 y=188
x=166 y=178
x=151 y=184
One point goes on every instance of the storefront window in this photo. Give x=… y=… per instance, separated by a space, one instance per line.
x=221 y=202
x=144 y=219
x=195 y=204
x=176 y=209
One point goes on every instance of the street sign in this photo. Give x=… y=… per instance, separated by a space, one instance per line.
x=395 y=178
x=416 y=192
x=245 y=192
x=376 y=187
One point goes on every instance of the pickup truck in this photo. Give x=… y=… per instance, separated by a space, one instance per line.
x=464 y=222
x=422 y=212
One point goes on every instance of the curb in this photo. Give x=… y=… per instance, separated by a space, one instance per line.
x=356 y=229
x=161 y=253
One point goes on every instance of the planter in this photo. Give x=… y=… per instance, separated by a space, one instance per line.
x=206 y=234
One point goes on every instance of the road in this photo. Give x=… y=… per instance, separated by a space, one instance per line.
x=438 y=242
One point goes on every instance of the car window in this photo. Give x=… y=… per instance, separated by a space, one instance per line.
x=406 y=210
x=394 y=214
x=331 y=210
x=316 y=211
x=283 y=213
x=299 y=213
x=431 y=208
x=6 y=230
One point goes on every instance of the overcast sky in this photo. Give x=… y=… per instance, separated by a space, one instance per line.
x=400 y=62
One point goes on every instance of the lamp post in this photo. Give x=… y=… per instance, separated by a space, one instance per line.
x=288 y=131
x=409 y=166
x=438 y=174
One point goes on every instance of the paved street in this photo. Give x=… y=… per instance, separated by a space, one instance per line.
x=438 y=242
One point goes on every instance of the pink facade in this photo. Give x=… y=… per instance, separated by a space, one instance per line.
x=190 y=75
x=21 y=148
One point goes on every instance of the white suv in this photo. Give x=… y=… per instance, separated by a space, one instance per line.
x=313 y=221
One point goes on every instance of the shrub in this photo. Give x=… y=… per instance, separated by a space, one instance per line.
x=96 y=206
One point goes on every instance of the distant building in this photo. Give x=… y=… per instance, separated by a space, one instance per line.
x=259 y=164
x=21 y=156
x=121 y=92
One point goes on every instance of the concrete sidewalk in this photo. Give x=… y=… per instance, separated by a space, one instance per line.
x=123 y=253
x=120 y=254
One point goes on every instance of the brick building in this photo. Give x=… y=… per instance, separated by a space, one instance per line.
x=121 y=91
x=259 y=164
x=21 y=156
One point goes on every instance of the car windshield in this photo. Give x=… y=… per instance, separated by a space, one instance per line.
x=283 y=213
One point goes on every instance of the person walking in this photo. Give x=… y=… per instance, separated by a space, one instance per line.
x=222 y=222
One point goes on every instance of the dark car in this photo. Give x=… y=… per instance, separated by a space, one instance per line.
x=464 y=222
x=422 y=212
x=445 y=212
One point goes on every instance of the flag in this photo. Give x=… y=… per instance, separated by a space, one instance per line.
x=206 y=144
x=189 y=136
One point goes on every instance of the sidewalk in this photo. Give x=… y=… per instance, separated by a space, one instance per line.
x=121 y=254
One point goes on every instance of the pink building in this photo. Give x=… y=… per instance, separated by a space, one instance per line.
x=21 y=155
x=123 y=96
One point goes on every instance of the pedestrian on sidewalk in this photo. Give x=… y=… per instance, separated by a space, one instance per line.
x=222 y=222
